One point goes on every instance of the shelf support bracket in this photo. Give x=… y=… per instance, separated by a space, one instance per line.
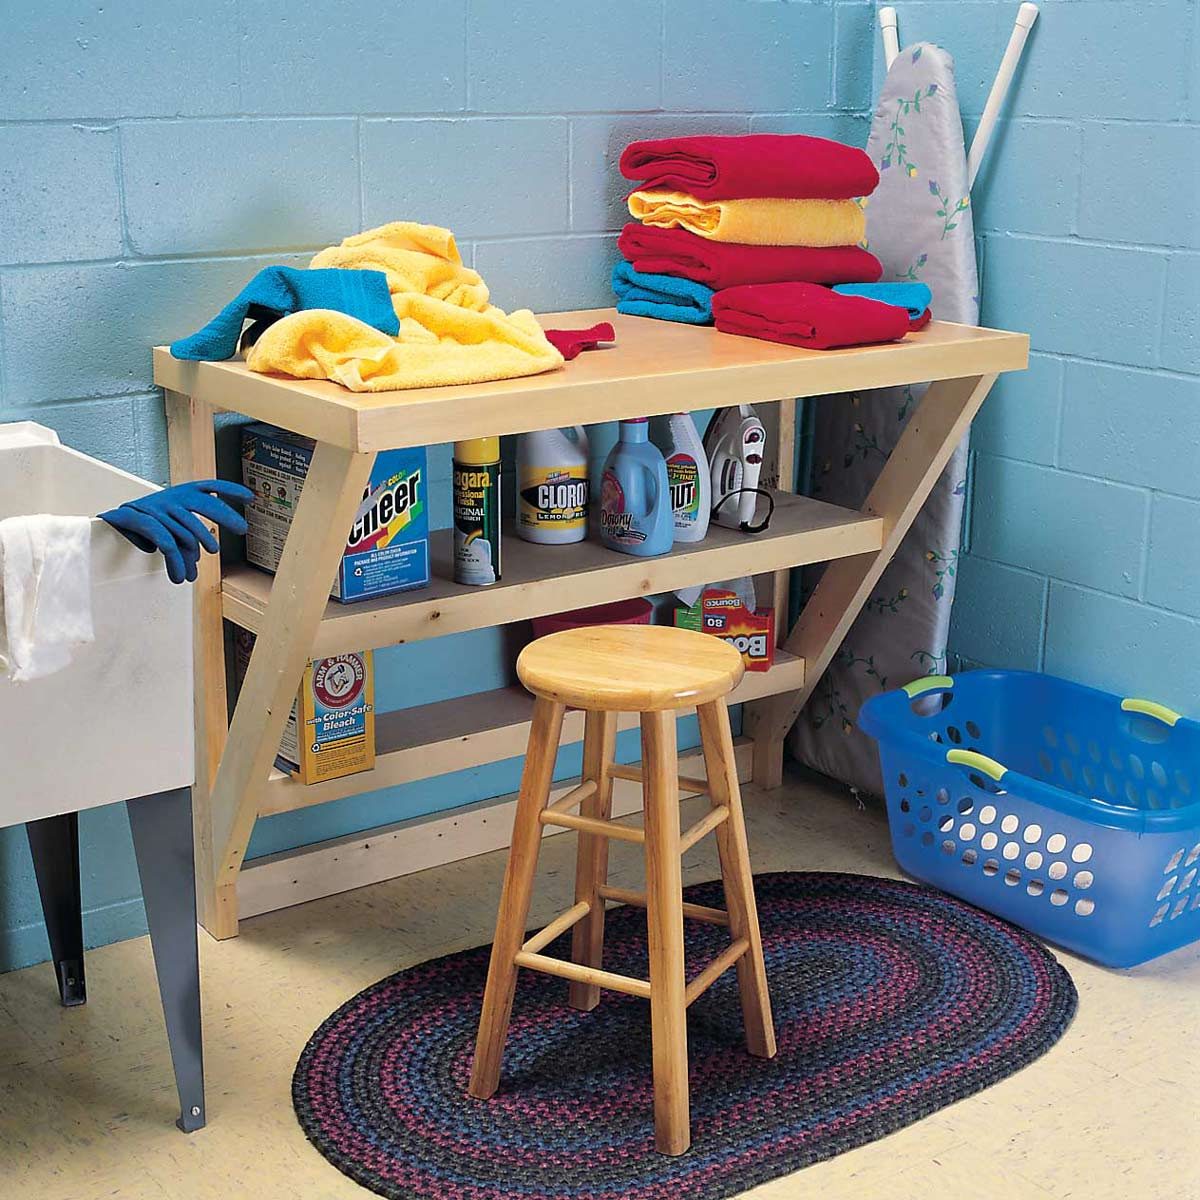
x=933 y=432
x=332 y=492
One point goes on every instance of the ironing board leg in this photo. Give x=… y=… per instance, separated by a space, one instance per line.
x=54 y=844
x=162 y=840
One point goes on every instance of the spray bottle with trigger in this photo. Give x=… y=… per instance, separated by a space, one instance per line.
x=735 y=443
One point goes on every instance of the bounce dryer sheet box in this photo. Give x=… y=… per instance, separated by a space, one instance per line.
x=723 y=614
x=387 y=550
x=330 y=731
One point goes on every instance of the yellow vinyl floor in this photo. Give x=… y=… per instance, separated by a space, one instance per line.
x=87 y=1103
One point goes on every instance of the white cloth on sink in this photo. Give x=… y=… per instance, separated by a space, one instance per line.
x=45 y=593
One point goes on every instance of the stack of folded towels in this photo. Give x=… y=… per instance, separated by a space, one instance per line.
x=749 y=232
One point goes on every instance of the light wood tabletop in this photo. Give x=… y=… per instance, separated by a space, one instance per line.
x=653 y=367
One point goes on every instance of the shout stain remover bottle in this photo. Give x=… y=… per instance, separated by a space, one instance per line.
x=679 y=440
x=477 y=511
x=552 y=486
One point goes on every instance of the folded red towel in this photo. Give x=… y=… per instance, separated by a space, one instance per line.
x=791 y=166
x=657 y=251
x=569 y=342
x=808 y=315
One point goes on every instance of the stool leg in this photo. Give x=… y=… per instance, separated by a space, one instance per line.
x=514 y=897
x=664 y=921
x=734 y=852
x=591 y=862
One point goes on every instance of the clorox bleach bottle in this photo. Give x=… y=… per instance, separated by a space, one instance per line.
x=687 y=474
x=635 y=498
x=552 y=486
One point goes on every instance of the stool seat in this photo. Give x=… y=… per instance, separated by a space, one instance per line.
x=630 y=668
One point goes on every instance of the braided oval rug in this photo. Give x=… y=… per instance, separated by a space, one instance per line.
x=891 y=1001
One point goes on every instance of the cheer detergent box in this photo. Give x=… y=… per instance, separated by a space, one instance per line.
x=330 y=731
x=723 y=614
x=387 y=550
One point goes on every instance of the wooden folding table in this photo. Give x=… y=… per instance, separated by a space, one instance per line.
x=655 y=367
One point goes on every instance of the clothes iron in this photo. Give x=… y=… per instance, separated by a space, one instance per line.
x=735 y=443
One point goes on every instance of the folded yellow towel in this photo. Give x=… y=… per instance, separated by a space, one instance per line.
x=449 y=333
x=415 y=258
x=756 y=222
x=438 y=344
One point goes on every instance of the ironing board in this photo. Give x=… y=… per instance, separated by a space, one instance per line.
x=919 y=226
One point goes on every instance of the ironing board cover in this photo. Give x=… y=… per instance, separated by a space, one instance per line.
x=919 y=226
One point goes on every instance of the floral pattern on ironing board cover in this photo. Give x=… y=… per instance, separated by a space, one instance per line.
x=919 y=226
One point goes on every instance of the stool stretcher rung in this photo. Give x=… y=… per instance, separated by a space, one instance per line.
x=715 y=970
x=624 y=833
x=693 y=912
x=702 y=828
x=560 y=924
x=687 y=783
x=574 y=798
x=581 y=974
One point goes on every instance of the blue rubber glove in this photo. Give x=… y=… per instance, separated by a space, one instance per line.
x=169 y=522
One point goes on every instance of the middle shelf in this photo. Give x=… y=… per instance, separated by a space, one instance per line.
x=539 y=580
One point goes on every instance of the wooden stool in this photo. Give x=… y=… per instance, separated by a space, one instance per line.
x=654 y=671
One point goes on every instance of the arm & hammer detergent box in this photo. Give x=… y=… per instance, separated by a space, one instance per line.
x=330 y=731
x=387 y=549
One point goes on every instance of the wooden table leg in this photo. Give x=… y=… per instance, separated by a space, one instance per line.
x=664 y=921
x=779 y=472
x=332 y=491
x=929 y=439
x=513 y=911
x=193 y=454
x=591 y=862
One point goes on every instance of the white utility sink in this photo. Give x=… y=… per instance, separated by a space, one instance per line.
x=117 y=722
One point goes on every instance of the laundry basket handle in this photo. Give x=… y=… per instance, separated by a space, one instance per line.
x=1150 y=708
x=927 y=683
x=980 y=762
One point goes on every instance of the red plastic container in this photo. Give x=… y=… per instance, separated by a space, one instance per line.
x=619 y=612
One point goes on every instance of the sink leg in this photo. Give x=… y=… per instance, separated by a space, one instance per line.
x=162 y=840
x=54 y=844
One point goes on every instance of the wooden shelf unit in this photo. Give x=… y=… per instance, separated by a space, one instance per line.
x=656 y=367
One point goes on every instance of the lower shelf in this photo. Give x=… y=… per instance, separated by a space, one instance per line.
x=451 y=735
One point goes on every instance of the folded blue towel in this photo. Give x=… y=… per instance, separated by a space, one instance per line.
x=663 y=296
x=916 y=297
x=277 y=291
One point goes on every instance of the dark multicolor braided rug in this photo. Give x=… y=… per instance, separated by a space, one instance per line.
x=891 y=1001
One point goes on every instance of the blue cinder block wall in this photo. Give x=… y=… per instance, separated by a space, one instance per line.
x=154 y=155
x=1083 y=544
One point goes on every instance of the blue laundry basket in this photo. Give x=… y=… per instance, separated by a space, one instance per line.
x=1066 y=810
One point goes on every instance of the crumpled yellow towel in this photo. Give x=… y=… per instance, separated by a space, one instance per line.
x=449 y=332
x=760 y=221
x=438 y=344
x=415 y=258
